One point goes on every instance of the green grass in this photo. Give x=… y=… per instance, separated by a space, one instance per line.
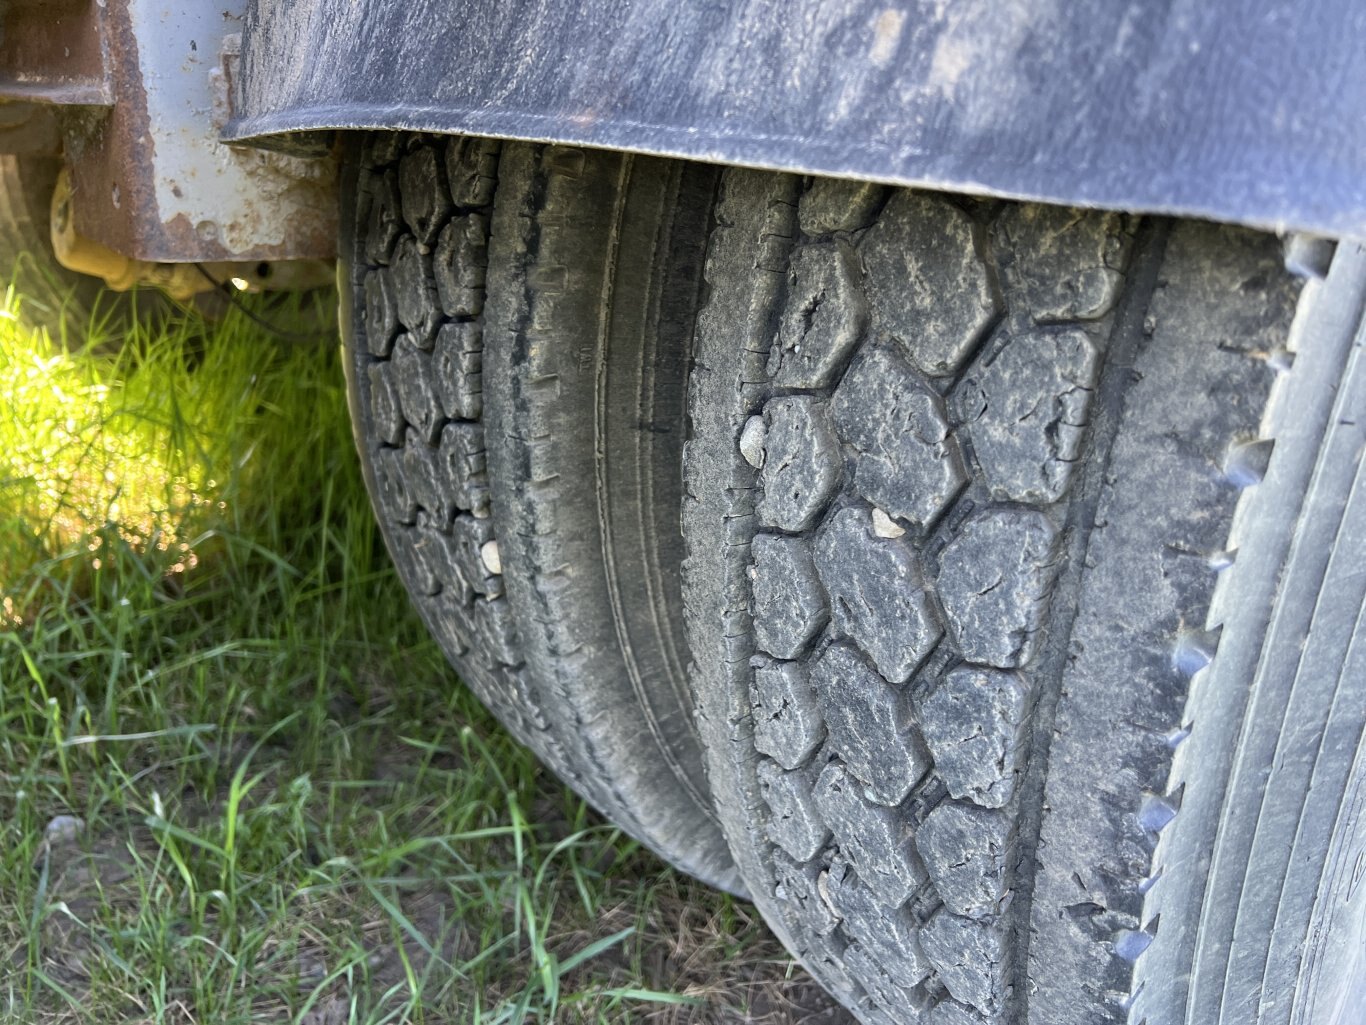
x=286 y=807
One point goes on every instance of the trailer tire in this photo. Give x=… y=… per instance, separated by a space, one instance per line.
x=515 y=467
x=964 y=485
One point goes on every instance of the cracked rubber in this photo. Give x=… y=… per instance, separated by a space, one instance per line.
x=960 y=483
x=1022 y=582
x=542 y=551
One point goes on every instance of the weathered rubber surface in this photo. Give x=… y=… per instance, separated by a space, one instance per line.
x=1216 y=331
x=418 y=212
x=960 y=481
x=1269 y=837
x=416 y=390
x=595 y=268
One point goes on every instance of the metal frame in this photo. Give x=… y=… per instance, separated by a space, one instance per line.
x=137 y=90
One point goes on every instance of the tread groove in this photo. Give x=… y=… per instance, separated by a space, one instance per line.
x=1115 y=377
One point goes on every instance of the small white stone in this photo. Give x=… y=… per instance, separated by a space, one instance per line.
x=752 y=440
x=63 y=829
x=488 y=555
x=885 y=526
x=823 y=888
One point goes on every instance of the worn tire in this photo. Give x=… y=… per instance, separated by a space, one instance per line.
x=996 y=589
x=594 y=274
x=521 y=434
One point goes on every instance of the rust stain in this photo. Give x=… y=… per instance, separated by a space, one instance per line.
x=53 y=51
x=158 y=207
x=113 y=161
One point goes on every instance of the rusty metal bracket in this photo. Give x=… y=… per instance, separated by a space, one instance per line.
x=139 y=89
x=181 y=281
x=55 y=51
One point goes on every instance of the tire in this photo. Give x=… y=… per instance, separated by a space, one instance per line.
x=594 y=274
x=1005 y=524
x=521 y=436
x=50 y=292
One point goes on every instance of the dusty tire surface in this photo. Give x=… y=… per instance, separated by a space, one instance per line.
x=965 y=481
x=594 y=274
x=1020 y=553
x=507 y=572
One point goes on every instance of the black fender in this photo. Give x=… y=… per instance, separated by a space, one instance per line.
x=1249 y=111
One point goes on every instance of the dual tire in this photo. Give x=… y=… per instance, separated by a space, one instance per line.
x=973 y=585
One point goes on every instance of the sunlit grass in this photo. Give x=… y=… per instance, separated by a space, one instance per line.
x=84 y=451
x=285 y=808
x=136 y=439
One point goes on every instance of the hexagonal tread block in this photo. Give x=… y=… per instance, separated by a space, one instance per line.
x=823 y=320
x=838 y=204
x=909 y=465
x=1067 y=263
x=799 y=886
x=381 y=312
x=384 y=223
x=795 y=823
x=789 y=604
x=460 y=265
x=414 y=290
x=889 y=935
x=995 y=579
x=887 y=990
x=788 y=725
x=1027 y=412
x=464 y=467
x=973 y=724
x=458 y=363
x=472 y=169
x=869 y=722
x=386 y=408
x=928 y=287
x=802 y=463
x=969 y=957
x=426 y=197
x=870 y=836
x=877 y=597
x=417 y=393
x=965 y=849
